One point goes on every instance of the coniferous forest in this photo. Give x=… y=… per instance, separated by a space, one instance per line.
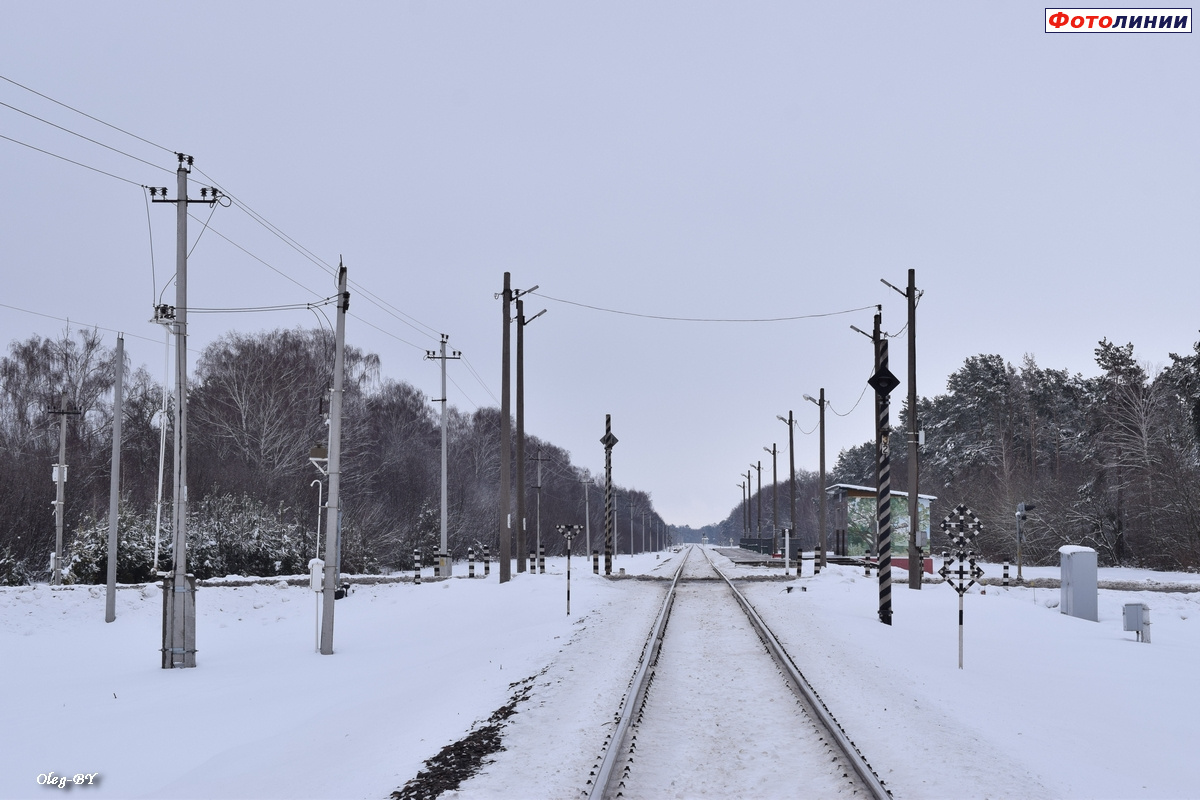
x=1111 y=461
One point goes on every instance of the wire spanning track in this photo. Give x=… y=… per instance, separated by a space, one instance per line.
x=609 y=782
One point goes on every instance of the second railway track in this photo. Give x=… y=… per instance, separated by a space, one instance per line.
x=717 y=709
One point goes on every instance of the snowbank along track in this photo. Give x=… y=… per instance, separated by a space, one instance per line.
x=706 y=714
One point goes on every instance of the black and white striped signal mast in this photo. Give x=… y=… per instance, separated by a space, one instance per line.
x=609 y=441
x=883 y=382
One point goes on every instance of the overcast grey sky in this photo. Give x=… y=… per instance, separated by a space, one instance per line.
x=714 y=160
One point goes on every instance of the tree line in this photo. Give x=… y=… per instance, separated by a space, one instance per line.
x=1111 y=462
x=258 y=403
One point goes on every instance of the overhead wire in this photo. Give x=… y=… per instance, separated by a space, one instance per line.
x=120 y=331
x=68 y=160
x=81 y=136
x=89 y=116
x=700 y=319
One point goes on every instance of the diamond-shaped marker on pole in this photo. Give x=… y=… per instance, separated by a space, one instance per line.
x=608 y=440
x=883 y=381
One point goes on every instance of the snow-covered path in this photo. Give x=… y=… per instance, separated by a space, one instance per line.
x=1047 y=705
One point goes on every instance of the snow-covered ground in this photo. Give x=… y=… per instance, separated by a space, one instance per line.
x=1047 y=705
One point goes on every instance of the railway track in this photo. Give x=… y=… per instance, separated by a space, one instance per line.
x=754 y=726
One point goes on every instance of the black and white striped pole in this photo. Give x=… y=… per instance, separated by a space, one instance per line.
x=487 y=561
x=883 y=382
x=609 y=441
x=962 y=526
x=416 y=565
x=470 y=562
x=569 y=532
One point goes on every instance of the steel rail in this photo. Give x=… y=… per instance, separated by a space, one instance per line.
x=606 y=773
x=857 y=761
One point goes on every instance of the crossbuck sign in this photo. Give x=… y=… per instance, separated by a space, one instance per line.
x=962 y=526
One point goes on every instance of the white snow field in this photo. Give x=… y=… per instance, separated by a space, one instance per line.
x=1046 y=706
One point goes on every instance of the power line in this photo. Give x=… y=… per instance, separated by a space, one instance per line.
x=89 y=116
x=255 y=309
x=68 y=160
x=471 y=369
x=85 y=138
x=386 y=333
x=64 y=319
x=700 y=319
x=851 y=411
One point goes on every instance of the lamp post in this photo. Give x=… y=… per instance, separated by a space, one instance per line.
x=821 y=514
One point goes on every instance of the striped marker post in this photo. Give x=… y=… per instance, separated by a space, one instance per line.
x=608 y=441
x=416 y=566
x=569 y=532
x=542 y=558
x=883 y=382
x=595 y=562
x=1005 y=571
x=470 y=562
x=487 y=561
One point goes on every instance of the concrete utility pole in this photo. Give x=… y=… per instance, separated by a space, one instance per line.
x=630 y=523
x=333 y=506
x=791 y=423
x=445 y=562
x=179 y=588
x=821 y=513
x=60 y=480
x=758 y=529
x=538 y=541
x=915 y=551
x=742 y=486
x=505 y=520
x=587 y=517
x=774 y=451
x=114 y=484
x=521 y=323
x=609 y=441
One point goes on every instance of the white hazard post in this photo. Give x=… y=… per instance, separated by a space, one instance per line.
x=787 y=554
x=333 y=523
